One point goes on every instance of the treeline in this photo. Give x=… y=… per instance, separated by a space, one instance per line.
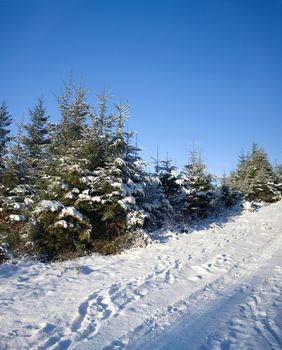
x=80 y=185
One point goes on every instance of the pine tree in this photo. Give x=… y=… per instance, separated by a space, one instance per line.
x=156 y=206
x=17 y=195
x=255 y=178
x=98 y=135
x=278 y=174
x=169 y=180
x=75 y=113
x=157 y=209
x=36 y=140
x=5 y=122
x=125 y=169
x=156 y=163
x=198 y=187
x=60 y=225
x=90 y=207
x=16 y=167
x=227 y=196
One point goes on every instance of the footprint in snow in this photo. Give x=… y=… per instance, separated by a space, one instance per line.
x=86 y=270
x=48 y=327
x=199 y=269
x=169 y=278
x=195 y=278
x=23 y=279
x=63 y=345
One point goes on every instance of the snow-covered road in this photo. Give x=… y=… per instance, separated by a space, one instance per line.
x=218 y=288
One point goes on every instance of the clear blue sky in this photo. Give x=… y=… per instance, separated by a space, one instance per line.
x=202 y=71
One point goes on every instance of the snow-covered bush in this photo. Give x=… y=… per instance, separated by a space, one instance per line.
x=58 y=228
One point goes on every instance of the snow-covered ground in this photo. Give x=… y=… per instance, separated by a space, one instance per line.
x=218 y=288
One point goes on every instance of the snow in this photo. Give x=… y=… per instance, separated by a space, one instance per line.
x=71 y=211
x=250 y=206
x=17 y=218
x=69 y=195
x=135 y=218
x=28 y=201
x=61 y=223
x=129 y=200
x=215 y=288
x=96 y=199
x=18 y=206
x=50 y=205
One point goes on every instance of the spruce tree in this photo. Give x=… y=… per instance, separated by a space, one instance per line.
x=157 y=209
x=278 y=174
x=125 y=171
x=75 y=112
x=60 y=224
x=16 y=167
x=156 y=206
x=36 y=140
x=227 y=196
x=256 y=178
x=169 y=180
x=5 y=122
x=156 y=163
x=88 y=206
x=16 y=197
x=198 y=187
x=98 y=135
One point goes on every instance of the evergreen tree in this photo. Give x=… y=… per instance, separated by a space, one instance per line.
x=16 y=167
x=256 y=177
x=156 y=206
x=157 y=163
x=125 y=170
x=97 y=137
x=60 y=225
x=278 y=170
x=5 y=122
x=169 y=180
x=198 y=187
x=227 y=196
x=278 y=174
x=36 y=140
x=85 y=208
x=75 y=113
x=16 y=198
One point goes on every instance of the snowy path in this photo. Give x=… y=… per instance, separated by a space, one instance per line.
x=245 y=317
x=213 y=289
